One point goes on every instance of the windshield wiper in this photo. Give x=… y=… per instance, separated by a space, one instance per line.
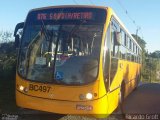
x=56 y=50
x=48 y=37
x=46 y=34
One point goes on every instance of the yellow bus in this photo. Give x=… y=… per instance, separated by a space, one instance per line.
x=75 y=60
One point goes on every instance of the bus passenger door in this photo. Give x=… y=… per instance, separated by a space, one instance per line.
x=106 y=61
x=115 y=71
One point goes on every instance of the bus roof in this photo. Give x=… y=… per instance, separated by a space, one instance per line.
x=70 y=6
x=122 y=25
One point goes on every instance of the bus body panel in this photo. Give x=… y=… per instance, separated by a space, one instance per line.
x=96 y=108
x=66 y=99
x=124 y=67
x=58 y=92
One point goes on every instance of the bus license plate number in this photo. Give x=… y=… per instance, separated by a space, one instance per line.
x=41 y=88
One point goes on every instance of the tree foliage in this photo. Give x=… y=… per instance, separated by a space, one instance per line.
x=7 y=55
x=155 y=54
x=6 y=36
x=150 y=62
x=142 y=44
x=140 y=41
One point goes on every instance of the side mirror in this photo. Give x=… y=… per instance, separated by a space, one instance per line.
x=17 y=38
x=117 y=38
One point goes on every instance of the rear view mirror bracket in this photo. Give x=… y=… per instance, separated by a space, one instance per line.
x=17 y=39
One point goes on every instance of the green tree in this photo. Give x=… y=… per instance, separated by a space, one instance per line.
x=6 y=36
x=155 y=57
x=156 y=54
x=140 y=41
x=145 y=66
x=7 y=55
x=150 y=61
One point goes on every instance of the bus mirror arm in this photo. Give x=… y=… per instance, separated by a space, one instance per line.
x=16 y=43
x=17 y=39
x=18 y=26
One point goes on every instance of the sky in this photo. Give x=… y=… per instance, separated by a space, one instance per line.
x=141 y=14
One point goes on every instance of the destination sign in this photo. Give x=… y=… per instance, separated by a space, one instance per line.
x=65 y=16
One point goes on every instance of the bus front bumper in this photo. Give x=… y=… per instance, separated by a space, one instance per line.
x=97 y=108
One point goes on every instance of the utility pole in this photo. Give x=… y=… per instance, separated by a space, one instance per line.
x=138 y=28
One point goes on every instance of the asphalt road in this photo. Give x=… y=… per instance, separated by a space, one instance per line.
x=142 y=103
x=144 y=100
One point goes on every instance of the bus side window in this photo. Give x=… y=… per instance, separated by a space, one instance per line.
x=112 y=43
x=123 y=44
x=114 y=48
x=106 y=55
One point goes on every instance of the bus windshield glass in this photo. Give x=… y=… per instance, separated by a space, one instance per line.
x=61 y=48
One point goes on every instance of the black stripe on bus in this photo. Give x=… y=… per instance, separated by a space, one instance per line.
x=58 y=99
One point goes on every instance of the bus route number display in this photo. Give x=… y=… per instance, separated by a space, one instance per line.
x=65 y=16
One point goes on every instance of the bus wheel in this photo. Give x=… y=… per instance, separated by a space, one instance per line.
x=137 y=81
x=121 y=96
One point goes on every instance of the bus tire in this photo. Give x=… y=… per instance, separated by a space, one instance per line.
x=137 y=81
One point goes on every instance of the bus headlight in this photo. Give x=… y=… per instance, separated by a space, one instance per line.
x=89 y=96
x=21 y=88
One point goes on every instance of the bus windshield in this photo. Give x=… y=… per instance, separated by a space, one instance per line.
x=62 y=53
